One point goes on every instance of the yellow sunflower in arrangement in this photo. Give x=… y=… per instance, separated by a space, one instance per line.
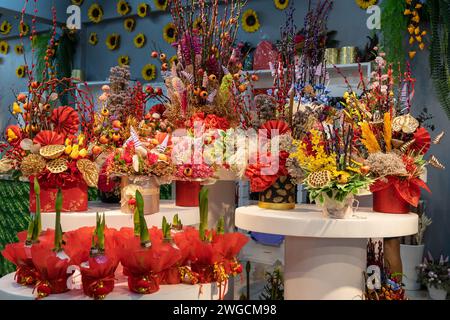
x=77 y=2
x=95 y=13
x=173 y=60
x=93 y=38
x=149 y=72
x=161 y=4
x=19 y=49
x=129 y=24
x=170 y=33
x=5 y=27
x=281 y=4
x=123 y=7
x=142 y=10
x=113 y=41
x=4 y=47
x=123 y=61
x=20 y=72
x=250 y=21
x=139 y=40
x=364 y=4
x=24 y=29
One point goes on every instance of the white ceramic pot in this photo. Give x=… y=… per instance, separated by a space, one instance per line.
x=437 y=294
x=411 y=258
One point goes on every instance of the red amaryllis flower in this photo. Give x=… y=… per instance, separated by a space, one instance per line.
x=422 y=141
x=65 y=120
x=47 y=137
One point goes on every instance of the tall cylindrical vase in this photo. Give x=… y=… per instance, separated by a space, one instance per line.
x=186 y=193
x=279 y=196
x=411 y=259
x=147 y=186
x=389 y=201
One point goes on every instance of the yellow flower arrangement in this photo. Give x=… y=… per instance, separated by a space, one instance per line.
x=139 y=40
x=250 y=21
x=77 y=2
x=123 y=61
x=5 y=27
x=123 y=7
x=364 y=4
x=95 y=13
x=129 y=24
x=4 y=47
x=149 y=72
x=142 y=10
x=281 y=4
x=20 y=72
x=19 y=49
x=24 y=29
x=170 y=33
x=93 y=38
x=160 y=4
x=113 y=41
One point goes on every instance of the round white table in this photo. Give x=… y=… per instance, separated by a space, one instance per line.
x=325 y=258
x=116 y=219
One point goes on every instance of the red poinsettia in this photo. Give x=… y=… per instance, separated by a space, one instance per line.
x=65 y=120
x=407 y=189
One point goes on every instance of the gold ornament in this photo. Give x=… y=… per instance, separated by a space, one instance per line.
x=52 y=151
x=436 y=163
x=319 y=179
x=89 y=171
x=404 y=148
x=32 y=164
x=57 y=165
x=407 y=123
x=439 y=137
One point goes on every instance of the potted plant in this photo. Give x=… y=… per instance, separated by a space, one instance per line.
x=436 y=276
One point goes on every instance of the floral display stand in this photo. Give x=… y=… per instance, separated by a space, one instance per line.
x=325 y=258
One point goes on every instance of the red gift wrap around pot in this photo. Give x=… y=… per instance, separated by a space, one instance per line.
x=97 y=288
x=389 y=201
x=75 y=198
x=143 y=284
x=187 y=193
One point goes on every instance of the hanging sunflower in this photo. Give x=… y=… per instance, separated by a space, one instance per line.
x=123 y=7
x=113 y=41
x=4 y=47
x=198 y=24
x=250 y=21
x=281 y=4
x=24 y=29
x=364 y=4
x=142 y=10
x=95 y=13
x=161 y=4
x=170 y=33
x=77 y=2
x=20 y=72
x=123 y=61
x=173 y=60
x=19 y=49
x=129 y=24
x=5 y=27
x=93 y=38
x=139 y=40
x=149 y=72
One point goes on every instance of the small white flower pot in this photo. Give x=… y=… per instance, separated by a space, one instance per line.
x=437 y=294
x=411 y=258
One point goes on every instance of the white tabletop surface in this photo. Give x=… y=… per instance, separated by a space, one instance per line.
x=309 y=221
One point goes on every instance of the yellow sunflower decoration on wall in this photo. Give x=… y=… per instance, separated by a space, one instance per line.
x=24 y=29
x=250 y=21
x=149 y=72
x=364 y=4
x=93 y=38
x=129 y=24
x=139 y=40
x=170 y=33
x=281 y=4
x=173 y=60
x=20 y=72
x=5 y=27
x=123 y=61
x=113 y=41
x=77 y=2
x=142 y=10
x=161 y=4
x=198 y=24
x=123 y=7
x=95 y=13
x=4 y=47
x=19 y=49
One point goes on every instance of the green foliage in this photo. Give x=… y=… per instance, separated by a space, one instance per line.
x=143 y=230
x=221 y=225
x=274 y=289
x=58 y=230
x=337 y=191
x=35 y=226
x=203 y=208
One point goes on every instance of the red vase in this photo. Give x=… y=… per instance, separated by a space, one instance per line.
x=389 y=201
x=187 y=193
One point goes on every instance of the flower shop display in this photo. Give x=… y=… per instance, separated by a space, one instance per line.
x=435 y=275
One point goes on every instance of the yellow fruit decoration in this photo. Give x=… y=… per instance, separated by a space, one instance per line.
x=16 y=108
x=75 y=152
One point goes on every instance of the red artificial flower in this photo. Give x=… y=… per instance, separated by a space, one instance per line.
x=47 y=137
x=65 y=120
x=158 y=108
x=409 y=164
x=152 y=158
x=276 y=126
x=214 y=122
x=422 y=141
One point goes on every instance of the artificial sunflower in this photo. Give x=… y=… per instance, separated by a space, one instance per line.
x=123 y=7
x=93 y=38
x=161 y=4
x=5 y=27
x=129 y=24
x=95 y=13
x=24 y=29
x=170 y=33
x=113 y=41
x=142 y=10
x=77 y=2
x=4 y=47
x=139 y=40
x=198 y=24
x=364 y=4
x=123 y=61
x=281 y=4
x=173 y=60
x=20 y=72
x=250 y=21
x=19 y=49
x=149 y=72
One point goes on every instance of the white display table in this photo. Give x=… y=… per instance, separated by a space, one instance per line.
x=325 y=258
x=10 y=290
x=116 y=219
